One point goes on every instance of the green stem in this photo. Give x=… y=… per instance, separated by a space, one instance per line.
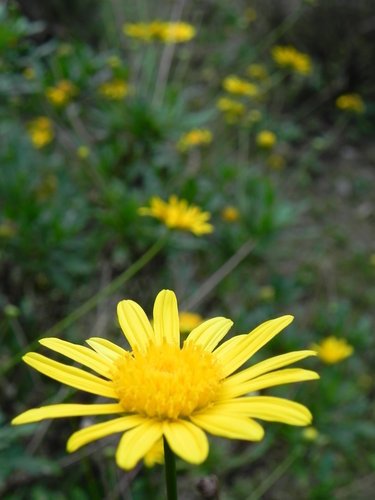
x=94 y=300
x=170 y=472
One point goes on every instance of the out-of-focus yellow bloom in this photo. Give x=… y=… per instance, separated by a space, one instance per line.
x=114 y=61
x=7 y=229
x=350 y=102
x=276 y=161
x=230 y=214
x=310 y=434
x=189 y=321
x=114 y=90
x=46 y=188
x=232 y=109
x=267 y=293
x=167 y=32
x=178 y=214
x=61 y=93
x=266 y=139
x=195 y=137
x=29 y=73
x=40 y=131
x=235 y=85
x=257 y=71
x=83 y=152
x=155 y=455
x=332 y=350
x=287 y=56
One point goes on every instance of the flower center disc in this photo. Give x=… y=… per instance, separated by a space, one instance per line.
x=166 y=381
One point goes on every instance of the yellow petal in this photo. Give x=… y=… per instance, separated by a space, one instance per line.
x=98 y=431
x=78 y=353
x=228 y=426
x=69 y=375
x=135 y=443
x=267 y=408
x=187 y=441
x=65 y=410
x=135 y=324
x=166 y=319
x=272 y=379
x=107 y=349
x=209 y=333
x=241 y=352
x=266 y=366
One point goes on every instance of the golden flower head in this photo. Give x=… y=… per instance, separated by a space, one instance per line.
x=351 y=102
x=178 y=214
x=40 y=131
x=230 y=214
x=162 y=389
x=235 y=85
x=310 y=433
x=257 y=71
x=195 y=137
x=332 y=350
x=114 y=90
x=83 y=152
x=189 y=321
x=266 y=139
x=289 y=57
x=167 y=32
x=61 y=93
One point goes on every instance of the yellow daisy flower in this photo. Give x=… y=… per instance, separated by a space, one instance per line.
x=350 y=102
x=230 y=214
x=195 y=137
x=114 y=90
x=178 y=214
x=167 y=32
x=332 y=350
x=40 y=131
x=164 y=390
x=287 y=56
x=266 y=139
x=235 y=85
x=61 y=93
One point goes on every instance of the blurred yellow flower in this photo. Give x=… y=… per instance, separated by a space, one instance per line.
x=178 y=214
x=189 y=321
x=61 y=93
x=266 y=139
x=230 y=214
x=195 y=137
x=232 y=109
x=257 y=71
x=160 y=388
x=7 y=229
x=155 y=455
x=276 y=161
x=29 y=73
x=310 y=434
x=167 y=32
x=114 y=90
x=40 y=131
x=83 y=152
x=351 y=102
x=287 y=56
x=332 y=350
x=267 y=292
x=235 y=85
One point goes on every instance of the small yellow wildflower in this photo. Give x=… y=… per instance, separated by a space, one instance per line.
x=178 y=214
x=83 y=152
x=230 y=214
x=235 y=85
x=177 y=32
x=332 y=350
x=114 y=90
x=189 y=321
x=195 y=137
x=29 y=73
x=266 y=139
x=61 y=93
x=40 y=131
x=310 y=433
x=350 y=102
x=167 y=32
x=257 y=71
x=267 y=293
x=7 y=229
x=162 y=389
x=289 y=57
x=233 y=110
x=276 y=161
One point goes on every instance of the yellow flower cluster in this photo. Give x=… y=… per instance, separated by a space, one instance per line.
x=235 y=85
x=332 y=350
x=61 y=93
x=40 y=131
x=350 y=102
x=287 y=56
x=114 y=90
x=194 y=137
x=266 y=139
x=166 y=32
x=178 y=214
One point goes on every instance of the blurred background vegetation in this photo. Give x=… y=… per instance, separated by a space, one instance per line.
x=94 y=123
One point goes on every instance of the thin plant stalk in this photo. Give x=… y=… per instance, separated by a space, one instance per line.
x=170 y=471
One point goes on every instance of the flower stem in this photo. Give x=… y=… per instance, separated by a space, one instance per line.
x=170 y=472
